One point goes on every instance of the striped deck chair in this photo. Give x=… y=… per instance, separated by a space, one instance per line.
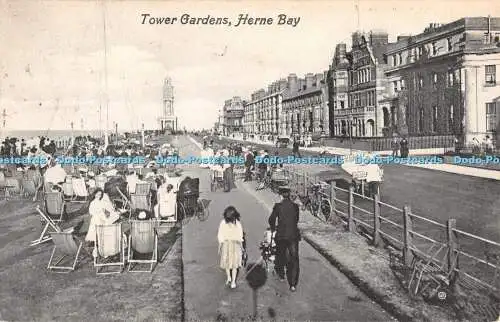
x=66 y=245
x=143 y=242
x=49 y=227
x=110 y=249
x=80 y=190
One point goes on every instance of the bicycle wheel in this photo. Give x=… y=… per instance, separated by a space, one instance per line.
x=326 y=209
x=202 y=212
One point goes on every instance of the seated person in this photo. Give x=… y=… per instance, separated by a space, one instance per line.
x=132 y=180
x=101 y=212
x=167 y=202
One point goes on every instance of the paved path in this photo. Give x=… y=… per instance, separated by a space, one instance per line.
x=323 y=293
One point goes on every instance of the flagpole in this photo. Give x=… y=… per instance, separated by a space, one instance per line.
x=106 y=98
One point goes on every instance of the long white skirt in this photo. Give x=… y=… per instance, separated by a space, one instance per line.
x=231 y=253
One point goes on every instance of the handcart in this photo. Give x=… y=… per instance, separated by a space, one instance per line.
x=366 y=178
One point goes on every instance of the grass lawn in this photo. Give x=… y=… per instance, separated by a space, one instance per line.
x=29 y=292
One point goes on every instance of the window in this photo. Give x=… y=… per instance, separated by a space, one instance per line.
x=434 y=80
x=403 y=85
x=342 y=104
x=400 y=58
x=420 y=82
x=434 y=118
x=421 y=120
x=394 y=61
x=451 y=117
x=491 y=117
x=451 y=79
x=490 y=73
x=395 y=86
x=420 y=51
x=449 y=44
x=434 y=49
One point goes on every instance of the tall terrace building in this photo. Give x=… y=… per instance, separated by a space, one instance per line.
x=338 y=85
x=444 y=80
x=233 y=111
x=262 y=112
x=367 y=85
x=305 y=106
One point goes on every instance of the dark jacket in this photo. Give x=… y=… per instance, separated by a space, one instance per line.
x=287 y=213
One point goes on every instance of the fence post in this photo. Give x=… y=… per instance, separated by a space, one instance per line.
x=305 y=184
x=376 y=220
x=407 y=237
x=452 y=248
x=350 y=211
x=333 y=196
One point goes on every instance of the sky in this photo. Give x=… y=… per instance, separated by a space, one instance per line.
x=53 y=56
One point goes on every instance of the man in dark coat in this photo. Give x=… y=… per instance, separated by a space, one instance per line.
x=287 y=238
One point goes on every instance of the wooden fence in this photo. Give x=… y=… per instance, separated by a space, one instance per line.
x=467 y=258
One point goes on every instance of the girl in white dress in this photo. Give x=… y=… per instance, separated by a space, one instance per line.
x=230 y=237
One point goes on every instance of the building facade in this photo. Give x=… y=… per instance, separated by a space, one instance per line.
x=168 y=120
x=444 y=81
x=338 y=85
x=367 y=86
x=305 y=106
x=262 y=112
x=233 y=112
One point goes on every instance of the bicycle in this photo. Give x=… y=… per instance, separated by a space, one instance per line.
x=317 y=201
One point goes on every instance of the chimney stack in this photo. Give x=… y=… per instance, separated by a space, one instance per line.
x=293 y=83
x=309 y=80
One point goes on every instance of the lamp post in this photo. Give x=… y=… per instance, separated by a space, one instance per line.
x=350 y=134
x=116 y=133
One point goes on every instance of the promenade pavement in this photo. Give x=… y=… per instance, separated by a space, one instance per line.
x=450 y=168
x=323 y=293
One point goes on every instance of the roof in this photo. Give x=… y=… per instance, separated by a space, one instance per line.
x=288 y=95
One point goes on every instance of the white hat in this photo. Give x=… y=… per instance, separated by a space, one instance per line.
x=142 y=215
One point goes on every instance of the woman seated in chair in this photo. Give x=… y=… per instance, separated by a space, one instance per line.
x=167 y=202
x=101 y=212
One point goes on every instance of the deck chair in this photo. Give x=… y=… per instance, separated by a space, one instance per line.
x=3 y=185
x=68 y=192
x=29 y=187
x=55 y=206
x=13 y=186
x=50 y=227
x=143 y=188
x=140 y=202
x=143 y=239
x=123 y=200
x=428 y=267
x=80 y=190
x=110 y=249
x=67 y=246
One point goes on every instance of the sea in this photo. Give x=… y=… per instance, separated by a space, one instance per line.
x=49 y=133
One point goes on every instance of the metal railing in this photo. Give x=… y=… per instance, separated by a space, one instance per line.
x=412 y=234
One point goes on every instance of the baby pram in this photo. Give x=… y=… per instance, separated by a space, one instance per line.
x=268 y=249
